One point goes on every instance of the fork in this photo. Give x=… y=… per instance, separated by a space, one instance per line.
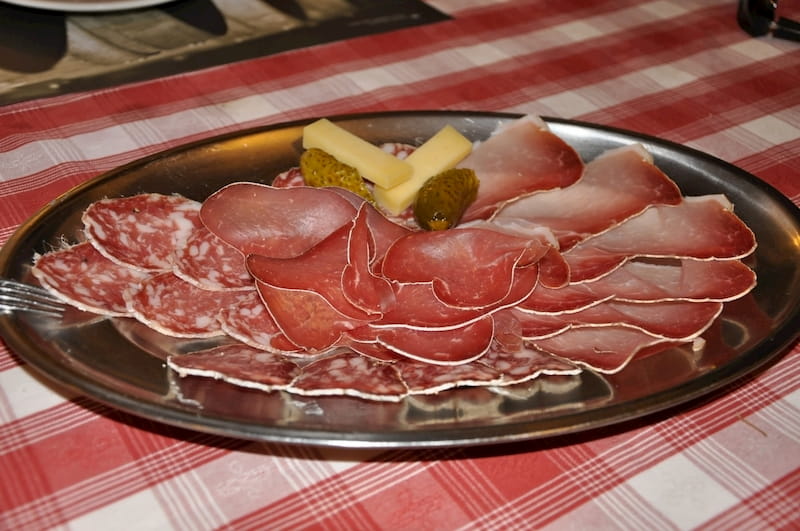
x=19 y=297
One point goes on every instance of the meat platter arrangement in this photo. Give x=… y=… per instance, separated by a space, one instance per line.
x=386 y=271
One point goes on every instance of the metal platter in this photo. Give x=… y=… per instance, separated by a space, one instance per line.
x=121 y=363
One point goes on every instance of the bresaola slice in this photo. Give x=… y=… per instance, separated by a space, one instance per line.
x=274 y=222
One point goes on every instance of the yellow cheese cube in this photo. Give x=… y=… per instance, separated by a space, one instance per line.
x=374 y=164
x=441 y=152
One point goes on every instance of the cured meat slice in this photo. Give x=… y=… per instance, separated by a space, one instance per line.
x=702 y=227
x=238 y=364
x=306 y=318
x=348 y=373
x=679 y=320
x=519 y=159
x=81 y=276
x=275 y=222
x=691 y=280
x=525 y=364
x=142 y=231
x=418 y=307
x=209 y=263
x=174 y=307
x=469 y=268
x=249 y=321
x=605 y=349
x=360 y=286
x=288 y=179
x=440 y=347
x=424 y=378
x=618 y=184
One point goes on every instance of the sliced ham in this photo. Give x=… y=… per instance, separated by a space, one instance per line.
x=81 y=276
x=274 y=222
x=618 y=184
x=210 y=263
x=703 y=227
x=519 y=159
x=142 y=231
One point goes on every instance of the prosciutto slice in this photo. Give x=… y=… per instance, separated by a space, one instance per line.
x=703 y=227
x=680 y=320
x=618 y=184
x=690 y=280
x=519 y=159
x=141 y=231
x=274 y=222
x=81 y=276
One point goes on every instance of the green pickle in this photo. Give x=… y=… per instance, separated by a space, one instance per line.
x=322 y=169
x=443 y=198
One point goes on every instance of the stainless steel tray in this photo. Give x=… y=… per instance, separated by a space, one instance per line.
x=121 y=363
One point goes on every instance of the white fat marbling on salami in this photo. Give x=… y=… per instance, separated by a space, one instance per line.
x=176 y=308
x=81 y=276
x=525 y=364
x=349 y=373
x=424 y=378
x=240 y=365
x=248 y=321
x=141 y=231
x=209 y=263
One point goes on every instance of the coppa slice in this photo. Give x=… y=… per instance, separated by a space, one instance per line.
x=274 y=222
x=142 y=231
x=702 y=227
x=84 y=278
x=618 y=184
x=519 y=159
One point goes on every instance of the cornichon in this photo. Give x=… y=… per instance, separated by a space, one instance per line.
x=322 y=169
x=443 y=198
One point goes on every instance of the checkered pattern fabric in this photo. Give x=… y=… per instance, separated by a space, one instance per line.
x=677 y=69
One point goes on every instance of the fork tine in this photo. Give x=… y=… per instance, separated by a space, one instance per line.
x=16 y=296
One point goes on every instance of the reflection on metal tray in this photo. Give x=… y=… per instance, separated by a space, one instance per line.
x=121 y=363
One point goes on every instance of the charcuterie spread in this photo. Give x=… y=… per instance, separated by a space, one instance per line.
x=384 y=271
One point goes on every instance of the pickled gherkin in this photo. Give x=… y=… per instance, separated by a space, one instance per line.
x=443 y=198
x=322 y=169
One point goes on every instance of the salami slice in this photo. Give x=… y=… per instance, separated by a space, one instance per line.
x=238 y=364
x=176 y=308
x=142 y=231
x=349 y=373
x=209 y=263
x=248 y=320
x=423 y=378
x=81 y=276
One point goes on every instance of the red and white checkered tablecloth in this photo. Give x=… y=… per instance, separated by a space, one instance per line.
x=678 y=69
